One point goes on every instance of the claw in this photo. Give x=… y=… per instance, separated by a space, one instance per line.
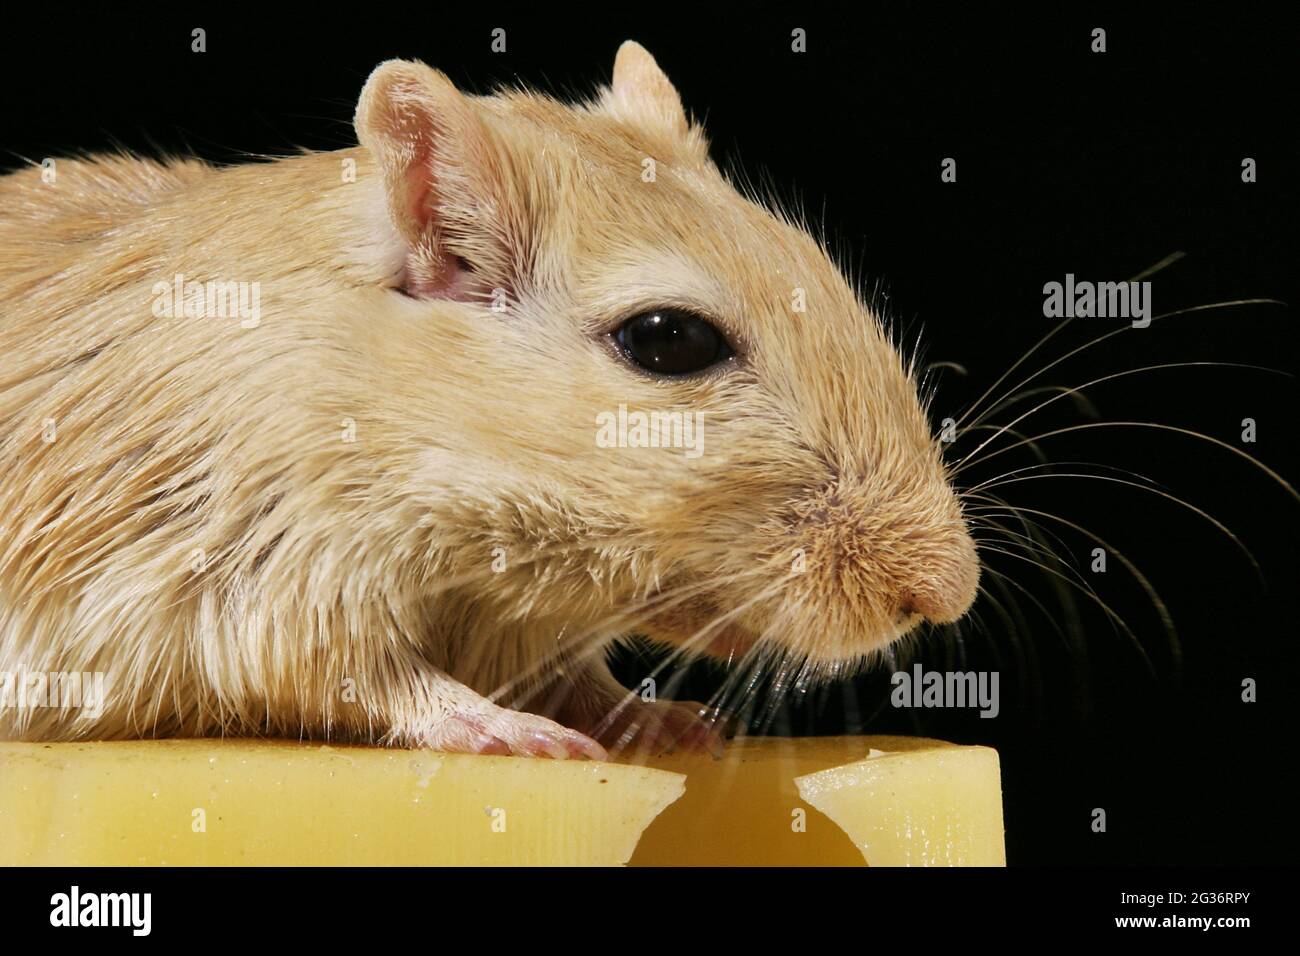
x=653 y=728
x=504 y=732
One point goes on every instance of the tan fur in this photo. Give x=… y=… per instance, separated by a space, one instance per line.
x=200 y=531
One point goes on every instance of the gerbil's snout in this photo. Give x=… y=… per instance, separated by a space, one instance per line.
x=950 y=590
x=879 y=562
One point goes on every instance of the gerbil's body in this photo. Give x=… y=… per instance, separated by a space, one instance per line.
x=381 y=497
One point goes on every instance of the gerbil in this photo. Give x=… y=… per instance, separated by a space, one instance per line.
x=382 y=498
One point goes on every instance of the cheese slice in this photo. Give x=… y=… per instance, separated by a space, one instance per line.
x=832 y=801
x=769 y=801
x=916 y=802
x=215 y=802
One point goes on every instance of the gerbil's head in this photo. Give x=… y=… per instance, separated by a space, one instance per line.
x=670 y=407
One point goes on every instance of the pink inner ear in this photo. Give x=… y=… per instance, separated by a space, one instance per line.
x=431 y=272
x=417 y=190
x=446 y=277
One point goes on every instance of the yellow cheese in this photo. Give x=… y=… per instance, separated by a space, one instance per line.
x=916 y=803
x=211 y=802
x=773 y=801
x=831 y=801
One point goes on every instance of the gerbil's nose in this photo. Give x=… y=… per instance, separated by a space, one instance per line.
x=948 y=590
x=929 y=605
x=908 y=604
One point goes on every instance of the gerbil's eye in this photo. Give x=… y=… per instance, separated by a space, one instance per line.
x=672 y=342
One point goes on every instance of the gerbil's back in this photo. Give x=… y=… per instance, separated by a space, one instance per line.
x=53 y=221
x=76 y=201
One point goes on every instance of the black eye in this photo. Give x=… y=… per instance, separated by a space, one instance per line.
x=672 y=342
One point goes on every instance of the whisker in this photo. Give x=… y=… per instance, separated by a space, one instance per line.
x=1009 y=581
x=595 y=637
x=1159 y=427
x=1137 y=644
x=989 y=482
x=1108 y=335
x=1081 y=402
x=1000 y=429
x=1016 y=625
x=1037 y=533
x=1168 y=260
x=1108 y=378
x=1049 y=552
x=686 y=646
x=1164 y=494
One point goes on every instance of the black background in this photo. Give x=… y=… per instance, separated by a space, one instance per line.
x=1068 y=161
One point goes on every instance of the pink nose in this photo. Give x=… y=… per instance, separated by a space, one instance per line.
x=929 y=605
x=948 y=592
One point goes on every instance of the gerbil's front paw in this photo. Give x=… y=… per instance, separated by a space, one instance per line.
x=656 y=727
x=507 y=733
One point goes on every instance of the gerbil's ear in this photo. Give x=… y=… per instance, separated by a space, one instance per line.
x=641 y=93
x=440 y=173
